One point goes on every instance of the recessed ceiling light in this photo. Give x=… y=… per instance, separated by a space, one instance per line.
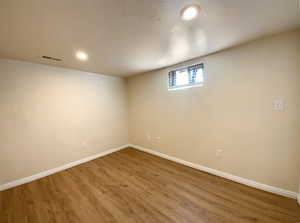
x=82 y=55
x=190 y=12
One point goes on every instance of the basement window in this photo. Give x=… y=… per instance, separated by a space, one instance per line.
x=186 y=77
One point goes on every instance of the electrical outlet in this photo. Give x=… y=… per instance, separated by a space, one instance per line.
x=83 y=144
x=148 y=137
x=278 y=105
x=219 y=152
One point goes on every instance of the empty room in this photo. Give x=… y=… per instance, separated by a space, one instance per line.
x=149 y=111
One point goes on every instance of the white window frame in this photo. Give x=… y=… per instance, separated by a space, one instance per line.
x=187 y=85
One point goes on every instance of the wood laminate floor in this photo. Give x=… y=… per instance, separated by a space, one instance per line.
x=131 y=186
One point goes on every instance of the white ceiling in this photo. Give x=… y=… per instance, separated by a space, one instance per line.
x=124 y=37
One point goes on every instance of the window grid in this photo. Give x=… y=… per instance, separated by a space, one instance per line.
x=194 y=72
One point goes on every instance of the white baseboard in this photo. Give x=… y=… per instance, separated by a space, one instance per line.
x=298 y=198
x=219 y=173
x=58 y=169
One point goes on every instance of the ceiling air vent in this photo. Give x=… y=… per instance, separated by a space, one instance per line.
x=51 y=58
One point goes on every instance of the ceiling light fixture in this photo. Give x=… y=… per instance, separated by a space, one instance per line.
x=190 y=12
x=82 y=55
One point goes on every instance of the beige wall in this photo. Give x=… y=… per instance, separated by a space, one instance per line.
x=51 y=116
x=232 y=111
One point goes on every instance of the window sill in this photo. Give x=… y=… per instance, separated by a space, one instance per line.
x=185 y=87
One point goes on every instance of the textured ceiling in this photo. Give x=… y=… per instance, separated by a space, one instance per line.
x=124 y=37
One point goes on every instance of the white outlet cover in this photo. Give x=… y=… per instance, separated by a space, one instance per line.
x=148 y=137
x=278 y=105
x=219 y=152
